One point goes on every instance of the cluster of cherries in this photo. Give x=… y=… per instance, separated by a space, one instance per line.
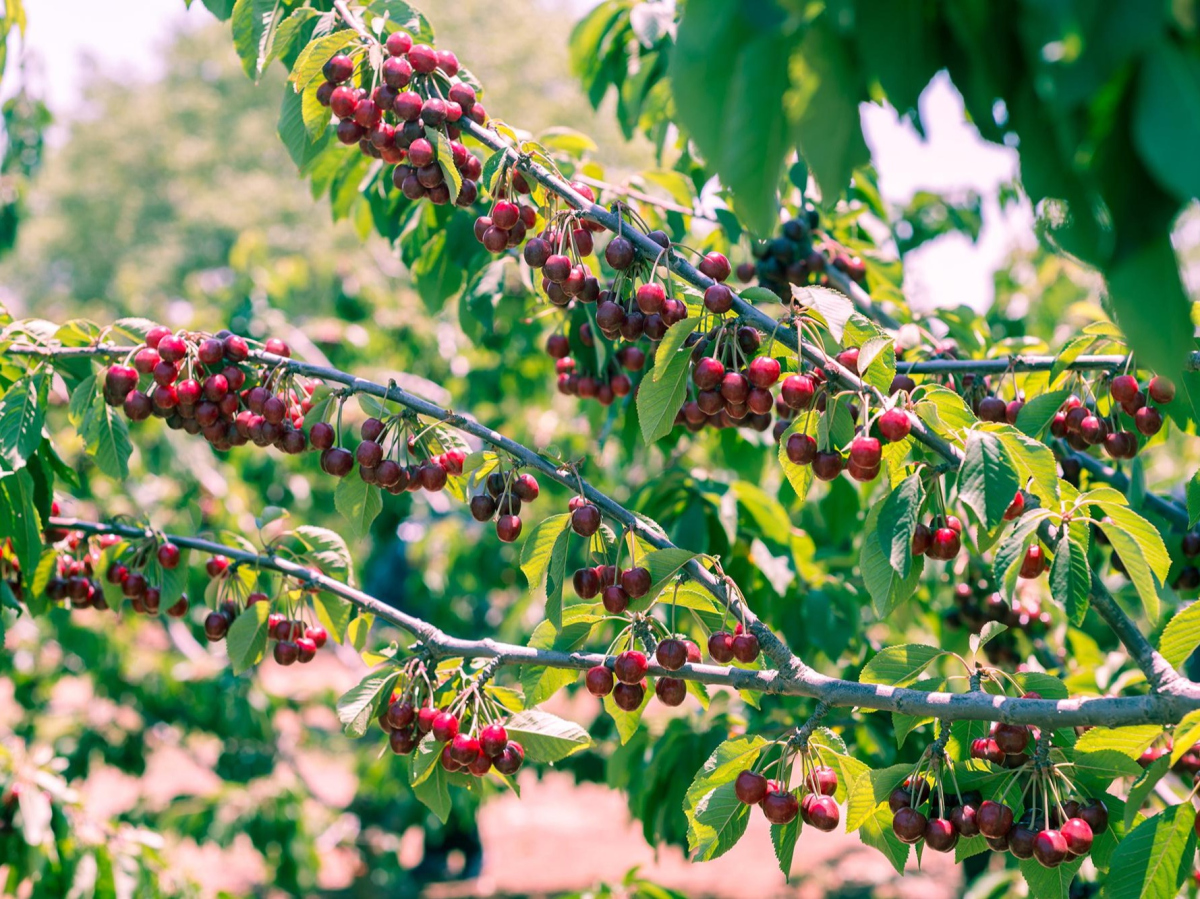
x=1067 y=831
x=781 y=806
x=406 y=724
x=976 y=603
x=791 y=259
x=376 y=465
x=294 y=640
x=395 y=123
x=197 y=383
x=613 y=385
x=615 y=587
x=503 y=495
x=1083 y=427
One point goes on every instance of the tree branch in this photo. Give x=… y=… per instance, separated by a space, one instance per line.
x=1160 y=708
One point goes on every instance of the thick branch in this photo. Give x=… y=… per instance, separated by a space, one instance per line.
x=775 y=649
x=1162 y=708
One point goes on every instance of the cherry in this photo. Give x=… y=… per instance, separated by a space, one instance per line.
x=510 y=760
x=801 y=449
x=168 y=555
x=337 y=461
x=493 y=740
x=780 y=806
x=1161 y=390
x=894 y=425
x=338 y=69
x=671 y=691
x=708 y=373
x=822 y=812
x=1095 y=813
x=745 y=648
x=735 y=387
x=401 y=714
x=720 y=647
x=1078 y=835
x=424 y=58
x=1016 y=507
x=763 y=371
x=651 y=298
x=940 y=834
x=750 y=788
x=1034 y=562
x=945 y=544
x=463 y=749
x=398 y=43
x=317 y=634
x=965 y=819
x=1124 y=388
x=827 y=464
x=995 y=820
x=508 y=528
x=286 y=652
x=120 y=381
x=865 y=452
x=671 y=654
x=615 y=599
x=216 y=625
x=369 y=454
x=1050 y=848
x=629 y=697
x=992 y=408
x=306 y=649
x=585 y=519
x=693 y=651
x=585 y=580
x=448 y=760
x=715 y=266
x=180 y=608
x=908 y=825
x=1148 y=421
x=718 y=298
x=620 y=253
x=987 y=749
x=426 y=716
x=155 y=335
x=798 y=391
x=402 y=741
x=823 y=780
x=321 y=436
x=630 y=667
x=599 y=681
x=445 y=727
x=848 y=359
x=1021 y=839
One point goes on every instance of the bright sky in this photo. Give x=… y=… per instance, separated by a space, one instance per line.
x=951 y=158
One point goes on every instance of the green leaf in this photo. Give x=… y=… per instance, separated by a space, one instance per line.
x=1154 y=860
x=19 y=519
x=22 y=411
x=1193 y=500
x=434 y=793
x=987 y=479
x=1166 y=118
x=661 y=396
x=327 y=550
x=334 y=613
x=246 y=641
x=887 y=589
x=1011 y=552
x=311 y=61
x=986 y=634
x=424 y=759
x=544 y=562
x=663 y=565
x=1070 y=575
x=362 y=703
x=1049 y=883
x=252 y=23
x=899 y=666
x=1130 y=546
x=799 y=476
x=783 y=838
x=547 y=738
x=358 y=502
x=1130 y=741
x=671 y=345
x=1185 y=736
x=729 y=65
x=538 y=682
x=897 y=519
x=822 y=104
x=1144 y=786
x=1036 y=414
x=1181 y=636
x=944 y=411
x=715 y=821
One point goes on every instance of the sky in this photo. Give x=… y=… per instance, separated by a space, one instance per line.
x=950 y=159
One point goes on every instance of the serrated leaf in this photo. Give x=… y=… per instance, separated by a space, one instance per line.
x=710 y=803
x=887 y=589
x=1130 y=741
x=326 y=549
x=1049 y=883
x=1133 y=560
x=944 y=411
x=627 y=722
x=358 y=502
x=545 y=737
x=1036 y=414
x=361 y=703
x=22 y=411
x=987 y=478
x=799 y=476
x=1144 y=786
x=663 y=565
x=1070 y=575
x=783 y=839
x=899 y=666
x=1181 y=636
x=661 y=395
x=544 y=562
x=1185 y=735
x=987 y=633
x=1193 y=500
x=1154 y=859
x=19 y=519
x=434 y=793
x=334 y=614
x=1006 y=562
x=247 y=638
x=897 y=519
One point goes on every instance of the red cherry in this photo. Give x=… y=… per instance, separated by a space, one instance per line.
x=750 y=787
x=599 y=681
x=630 y=667
x=894 y=425
x=445 y=727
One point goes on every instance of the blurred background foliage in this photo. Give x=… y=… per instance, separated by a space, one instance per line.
x=174 y=199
